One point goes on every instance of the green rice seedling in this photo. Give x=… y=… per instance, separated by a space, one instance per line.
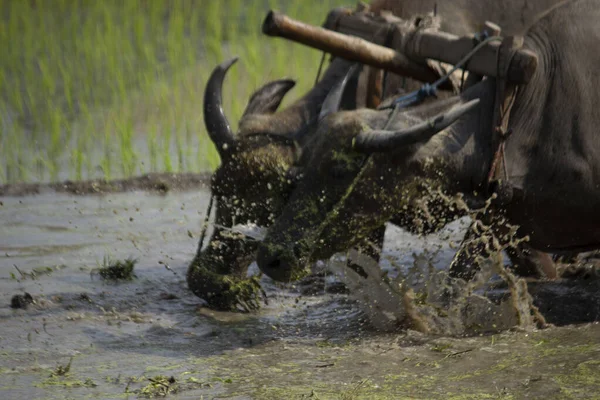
x=56 y=145
x=191 y=163
x=64 y=61
x=67 y=84
x=85 y=139
x=40 y=164
x=107 y=160
x=213 y=32
x=77 y=160
x=12 y=143
x=124 y=131
x=166 y=150
x=179 y=145
x=153 y=148
x=21 y=170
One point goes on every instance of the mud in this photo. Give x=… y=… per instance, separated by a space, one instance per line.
x=124 y=339
x=155 y=182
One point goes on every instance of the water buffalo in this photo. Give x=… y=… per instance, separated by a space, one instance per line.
x=251 y=183
x=462 y=17
x=361 y=173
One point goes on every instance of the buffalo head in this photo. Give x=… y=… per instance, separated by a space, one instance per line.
x=253 y=181
x=364 y=168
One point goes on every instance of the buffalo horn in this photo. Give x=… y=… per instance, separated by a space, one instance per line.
x=215 y=120
x=382 y=140
x=334 y=97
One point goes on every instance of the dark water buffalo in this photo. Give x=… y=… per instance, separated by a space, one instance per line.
x=251 y=183
x=463 y=17
x=360 y=175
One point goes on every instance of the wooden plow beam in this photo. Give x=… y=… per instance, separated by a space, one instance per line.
x=355 y=33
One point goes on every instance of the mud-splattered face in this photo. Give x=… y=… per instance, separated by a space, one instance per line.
x=316 y=212
x=347 y=191
x=253 y=185
x=254 y=180
x=250 y=187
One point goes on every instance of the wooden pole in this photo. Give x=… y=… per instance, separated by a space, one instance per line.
x=352 y=30
x=351 y=48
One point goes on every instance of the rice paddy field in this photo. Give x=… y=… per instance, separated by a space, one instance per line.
x=112 y=89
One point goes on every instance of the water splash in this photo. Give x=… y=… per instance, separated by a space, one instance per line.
x=428 y=299
x=432 y=302
x=248 y=231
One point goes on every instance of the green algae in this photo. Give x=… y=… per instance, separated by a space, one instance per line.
x=515 y=365
x=159 y=386
x=67 y=383
x=61 y=376
x=581 y=381
x=117 y=270
x=226 y=292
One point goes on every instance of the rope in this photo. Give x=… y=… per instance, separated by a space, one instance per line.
x=428 y=89
x=205 y=225
x=336 y=26
x=503 y=137
x=320 y=68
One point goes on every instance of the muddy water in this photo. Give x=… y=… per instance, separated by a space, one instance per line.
x=121 y=335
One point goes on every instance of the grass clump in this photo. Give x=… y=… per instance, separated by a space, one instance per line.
x=159 y=386
x=117 y=270
x=62 y=370
x=60 y=377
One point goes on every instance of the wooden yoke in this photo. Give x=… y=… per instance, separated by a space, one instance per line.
x=352 y=48
x=416 y=46
x=369 y=90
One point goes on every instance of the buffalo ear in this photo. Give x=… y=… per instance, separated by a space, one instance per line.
x=267 y=99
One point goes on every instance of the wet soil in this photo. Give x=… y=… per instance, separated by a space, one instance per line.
x=121 y=337
x=155 y=182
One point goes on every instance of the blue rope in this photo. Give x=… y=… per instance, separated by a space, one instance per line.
x=416 y=97
x=430 y=89
x=481 y=36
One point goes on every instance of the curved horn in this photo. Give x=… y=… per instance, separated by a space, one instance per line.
x=267 y=98
x=215 y=120
x=382 y=141
x=334 y=97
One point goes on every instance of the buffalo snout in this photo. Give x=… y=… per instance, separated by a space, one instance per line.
x=279 y=263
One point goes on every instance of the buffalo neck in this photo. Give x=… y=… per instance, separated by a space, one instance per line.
x=459 y=158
